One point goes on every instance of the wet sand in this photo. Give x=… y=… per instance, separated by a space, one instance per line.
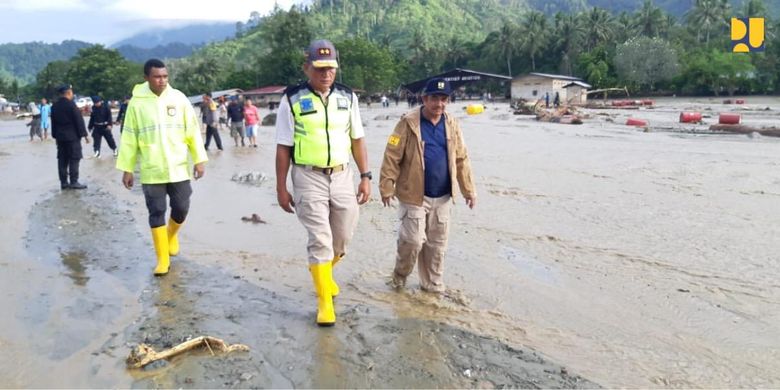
x=597 y=255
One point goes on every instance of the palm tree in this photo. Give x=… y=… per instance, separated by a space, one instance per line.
x=535 y=35
x=507 y=43
x=598 y=26
x=754 y=8
x=568 y=35
x=625 y=27
x=708 y=15
x=649 y=19
x=668 y=23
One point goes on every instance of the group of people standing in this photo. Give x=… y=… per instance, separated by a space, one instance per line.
x=240 y=115
x=39 y=123
x=318 y=130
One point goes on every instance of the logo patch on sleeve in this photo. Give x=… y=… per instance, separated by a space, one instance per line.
x=342 y=103
x=394 y=140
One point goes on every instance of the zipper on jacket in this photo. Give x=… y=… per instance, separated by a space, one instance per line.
x=327 y=133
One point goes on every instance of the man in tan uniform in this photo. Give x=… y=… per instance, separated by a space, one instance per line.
x=318 y=127
x=424 y=157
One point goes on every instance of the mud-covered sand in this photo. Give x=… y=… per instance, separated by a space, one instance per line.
x=597 y=255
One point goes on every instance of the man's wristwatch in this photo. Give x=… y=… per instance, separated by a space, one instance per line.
x=366 y=175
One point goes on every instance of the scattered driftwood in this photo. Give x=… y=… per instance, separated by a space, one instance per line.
x=742 y=129
x=525 y=107
x=603 y=106
x=144 y=354
x=254 y=219
x=565 y=114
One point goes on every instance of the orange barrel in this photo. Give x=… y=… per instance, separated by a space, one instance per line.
x=647 y=102
x=740 y=101
x=728 y=118
x=690 y=117
x=473 y=109
x=636 y=122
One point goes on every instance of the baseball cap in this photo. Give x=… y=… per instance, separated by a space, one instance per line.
x=96 y=99
x=437 y=86
x=64 y=87
x=322 y=54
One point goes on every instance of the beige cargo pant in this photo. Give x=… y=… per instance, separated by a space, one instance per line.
x=327 y=207
x=422 y=239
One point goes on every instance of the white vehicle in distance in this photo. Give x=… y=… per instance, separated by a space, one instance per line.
x=83 y=102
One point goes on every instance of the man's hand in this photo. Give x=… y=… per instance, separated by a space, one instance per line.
x=386 y=200
x=285 y=200
x=86 y=140
x=471 y=202
x=198 y=171
x=364 y=191
x=127 y=179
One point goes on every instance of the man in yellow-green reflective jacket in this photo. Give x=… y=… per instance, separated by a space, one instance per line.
x=162 y=134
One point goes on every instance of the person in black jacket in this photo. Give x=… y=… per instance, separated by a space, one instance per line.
x=209 y=115
x=67 y=128
x=100 y=125
x=235 y=112
x=120 y=117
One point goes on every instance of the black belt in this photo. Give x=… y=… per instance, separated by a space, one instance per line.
x=326 y=171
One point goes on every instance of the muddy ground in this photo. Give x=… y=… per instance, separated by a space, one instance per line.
x=79 y=293
x=597 y=255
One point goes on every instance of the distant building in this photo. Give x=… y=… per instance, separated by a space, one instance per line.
x=534 y=86
x=266 y=96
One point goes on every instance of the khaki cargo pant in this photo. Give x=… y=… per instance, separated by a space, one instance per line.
x=327 y=207
x=422 y=239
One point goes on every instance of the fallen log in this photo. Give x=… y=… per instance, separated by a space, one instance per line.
x=742 y=129
x=144 y=354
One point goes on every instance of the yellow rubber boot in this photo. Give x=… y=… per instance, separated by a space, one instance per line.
x=322 y=274
x=173 y=237
x=160 y=238
x=334 y=287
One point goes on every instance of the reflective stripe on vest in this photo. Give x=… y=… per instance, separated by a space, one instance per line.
x=321 y=133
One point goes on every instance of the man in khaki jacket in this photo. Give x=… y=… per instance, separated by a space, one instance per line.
x=424 y=157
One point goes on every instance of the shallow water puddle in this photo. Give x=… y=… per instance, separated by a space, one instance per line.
x=530 y=266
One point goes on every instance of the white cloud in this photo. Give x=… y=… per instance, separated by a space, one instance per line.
x=222 y=10
x=42 y=5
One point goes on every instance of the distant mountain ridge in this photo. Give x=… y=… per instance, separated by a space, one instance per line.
x=24 y=60
x=195 y=34
x=171 y=50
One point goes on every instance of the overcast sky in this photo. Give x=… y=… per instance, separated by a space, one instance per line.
x=108 y=21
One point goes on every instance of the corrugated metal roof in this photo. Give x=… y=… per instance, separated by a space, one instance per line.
x=580 y=83
x=554 y=76
x=456 y=77
x=271 y=89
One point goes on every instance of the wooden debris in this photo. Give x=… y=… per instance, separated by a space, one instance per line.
x=254 y=219
x=564 y=114
x=143 y=354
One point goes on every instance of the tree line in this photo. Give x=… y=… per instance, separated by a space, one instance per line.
x=384 y=43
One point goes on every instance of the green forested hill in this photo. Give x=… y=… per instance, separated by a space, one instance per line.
x=385 y=43
x=410 y=39
x=24 y=60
